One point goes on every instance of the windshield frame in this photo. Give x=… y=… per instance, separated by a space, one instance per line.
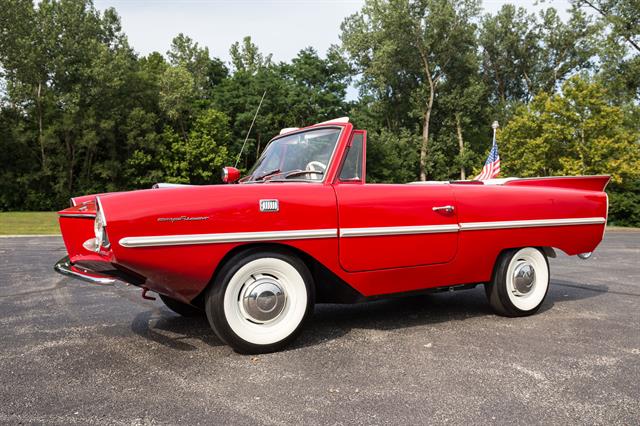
x=251 y=179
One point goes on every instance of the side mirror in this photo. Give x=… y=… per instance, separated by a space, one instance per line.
x=230 y=175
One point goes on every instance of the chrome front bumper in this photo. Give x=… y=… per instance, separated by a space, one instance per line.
x=66 y=268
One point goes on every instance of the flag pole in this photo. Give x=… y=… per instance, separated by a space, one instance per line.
x=494 y=126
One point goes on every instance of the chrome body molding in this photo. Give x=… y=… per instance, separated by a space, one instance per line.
x=65 y=267
x=80 y=215
x=100 y=211
x=305 y=234
x=477 y=226
x=397 y=230
x=229 y=237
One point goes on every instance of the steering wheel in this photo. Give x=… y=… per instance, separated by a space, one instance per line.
x=316 y=166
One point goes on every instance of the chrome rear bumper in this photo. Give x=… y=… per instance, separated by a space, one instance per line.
x=66 y=268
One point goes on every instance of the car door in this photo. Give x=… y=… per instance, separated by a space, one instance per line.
x=395 y=226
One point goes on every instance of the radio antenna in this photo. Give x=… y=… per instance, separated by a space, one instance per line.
x=250 y=127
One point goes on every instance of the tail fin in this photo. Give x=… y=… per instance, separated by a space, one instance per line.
x=586 y=183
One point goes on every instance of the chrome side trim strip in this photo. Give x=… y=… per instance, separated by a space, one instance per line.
x=397 y=230
x=85 y=216
x=238 y=237
x=477 y=226
x=230 y=237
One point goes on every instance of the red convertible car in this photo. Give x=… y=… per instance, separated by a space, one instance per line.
x=304 y=227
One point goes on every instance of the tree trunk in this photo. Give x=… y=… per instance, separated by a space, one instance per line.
x=258 y=147
x=71 y=158
x=529 y=84
x=40 y=131
x=424 y=149
x=182 y=130
x=461 y=145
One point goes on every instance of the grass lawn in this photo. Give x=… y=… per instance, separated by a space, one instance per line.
x=46 y=223
x=29 y=223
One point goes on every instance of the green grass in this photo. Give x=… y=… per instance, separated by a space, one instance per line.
x=46 y=223
x=29 y=223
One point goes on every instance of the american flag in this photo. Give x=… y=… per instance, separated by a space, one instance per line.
x=491 y=167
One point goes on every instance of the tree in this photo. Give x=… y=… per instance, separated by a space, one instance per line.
x=524 y=54
x=619 y=45
x=205 y=71
x=199 y=158
x=565 y=48
x=246 y=57
x=509 y=43
x=384 y=38
x=576 y=132
x=623 y=17
x=71 y=80
x=177 y=96
x=307 y=90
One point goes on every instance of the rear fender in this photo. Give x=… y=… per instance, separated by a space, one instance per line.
x=587 y=183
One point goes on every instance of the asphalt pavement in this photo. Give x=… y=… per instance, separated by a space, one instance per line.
x=75 y=353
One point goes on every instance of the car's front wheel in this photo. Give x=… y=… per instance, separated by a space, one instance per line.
x=259 y=300
x=520 y=282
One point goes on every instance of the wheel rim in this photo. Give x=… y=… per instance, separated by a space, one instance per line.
x=262 y=299
x=524 y=276
x=265 y=301
x=527 y=279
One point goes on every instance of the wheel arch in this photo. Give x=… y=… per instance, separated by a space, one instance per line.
x=548 y=251
x=329 y=287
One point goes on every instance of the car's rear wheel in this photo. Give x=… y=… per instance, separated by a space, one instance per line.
x=259 y=300
x=520 y=282
x=181 y=308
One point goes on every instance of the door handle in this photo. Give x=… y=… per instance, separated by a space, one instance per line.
x=446 y=209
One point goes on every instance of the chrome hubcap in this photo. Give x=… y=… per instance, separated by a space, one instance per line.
x=262 y=299
x=523 y=278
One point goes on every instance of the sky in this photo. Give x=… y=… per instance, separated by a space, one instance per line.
x=280 y=27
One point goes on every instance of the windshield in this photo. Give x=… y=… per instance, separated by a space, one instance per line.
x=303 y=155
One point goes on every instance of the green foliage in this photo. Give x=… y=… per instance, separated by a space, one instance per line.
x=524 y=54
x=199 y=158
x=624 y=206
x=177 y=93
x=392 y=157
x=404 y=51
x=246 y=57
x=576 y=132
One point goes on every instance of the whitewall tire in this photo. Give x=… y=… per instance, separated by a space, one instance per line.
x=260 y=300
x=520 y=282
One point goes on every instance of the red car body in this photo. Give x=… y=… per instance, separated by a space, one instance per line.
x=360 y=240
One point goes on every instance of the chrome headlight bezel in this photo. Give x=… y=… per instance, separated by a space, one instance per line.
x=100 y=227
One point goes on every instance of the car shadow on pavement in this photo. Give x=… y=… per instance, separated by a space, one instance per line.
x=332 y=321
x=172 y=330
